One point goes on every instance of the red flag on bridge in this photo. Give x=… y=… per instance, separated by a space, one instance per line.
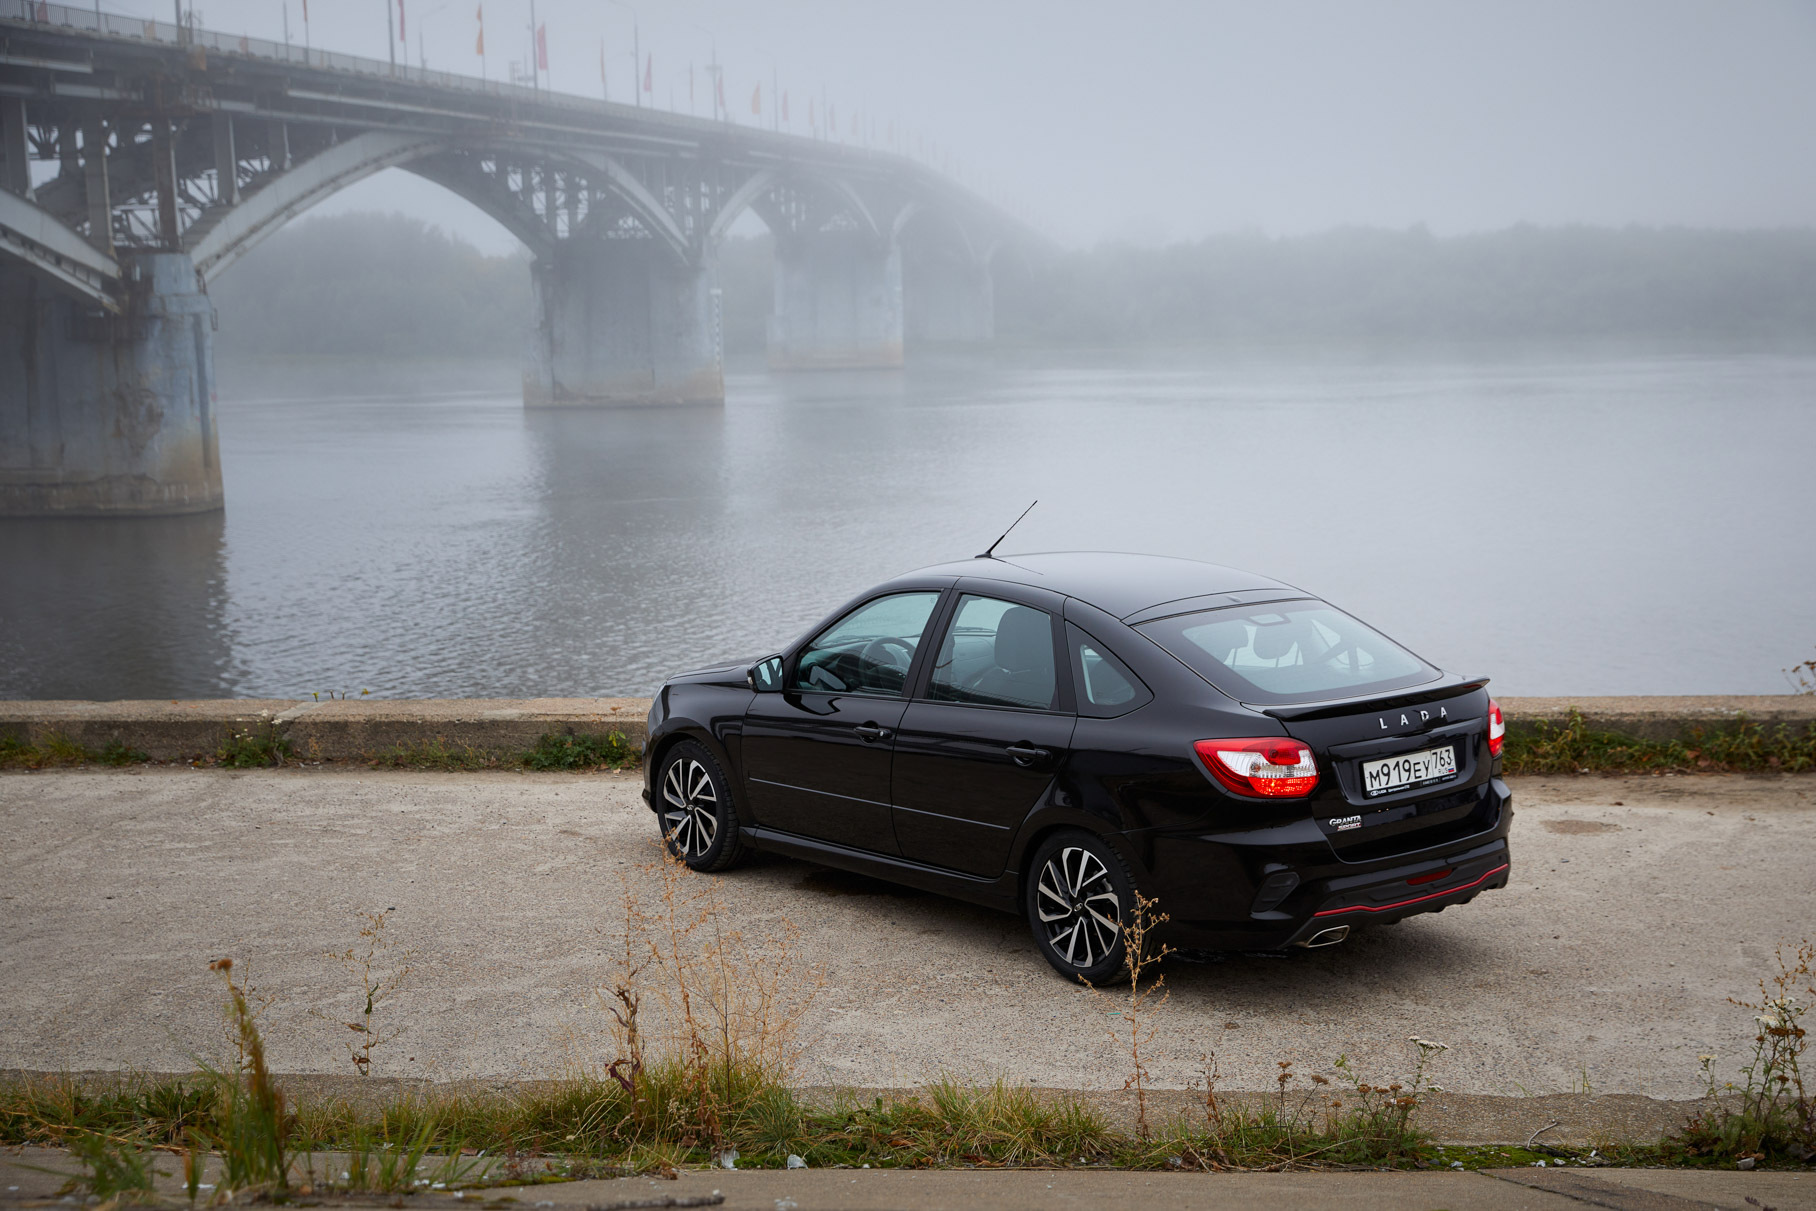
x=784 y=105
x=401 y=36
x=479 y=47
x=542 y=46
x=756 y=100
x=43 y=11
x=649 y=73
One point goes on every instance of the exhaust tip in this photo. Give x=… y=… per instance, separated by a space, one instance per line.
x=1326 y=937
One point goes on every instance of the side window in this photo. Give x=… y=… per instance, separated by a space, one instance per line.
x=869 y=650
x=996 y=653
x=1106 y=687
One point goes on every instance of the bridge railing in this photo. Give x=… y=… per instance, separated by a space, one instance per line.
x=76 y=19
x=87 y=20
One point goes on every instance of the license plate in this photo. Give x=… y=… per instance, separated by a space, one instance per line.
x=1408 y=770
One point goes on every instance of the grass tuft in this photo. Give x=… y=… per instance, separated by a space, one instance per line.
x=585 y=751
x=256 y=747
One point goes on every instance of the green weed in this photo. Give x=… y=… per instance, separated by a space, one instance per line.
x=255 y=747
x=585 y=751
x=1769 y=1116
x=436 y=755
x=114 y=1171
x=118 y=752
x=56 y=749
x=252 y=1128
x=1572 y=746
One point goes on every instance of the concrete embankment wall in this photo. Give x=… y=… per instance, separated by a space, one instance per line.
x=360 y=729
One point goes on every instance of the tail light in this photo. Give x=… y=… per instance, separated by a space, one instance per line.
x=1271 y=767
x=1497 y=729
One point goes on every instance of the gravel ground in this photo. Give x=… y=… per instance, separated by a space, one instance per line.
x=1637 y=908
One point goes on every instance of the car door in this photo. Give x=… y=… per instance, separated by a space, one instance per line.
x=816 y=752
x=978 y=749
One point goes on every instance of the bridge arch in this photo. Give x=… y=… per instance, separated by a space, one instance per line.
x=237 y=228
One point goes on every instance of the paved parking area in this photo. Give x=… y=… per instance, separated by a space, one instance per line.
x=1638 y=907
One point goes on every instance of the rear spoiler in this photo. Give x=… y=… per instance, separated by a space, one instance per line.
x=1389 y=702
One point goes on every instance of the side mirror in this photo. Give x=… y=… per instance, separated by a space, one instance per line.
x=765 y=676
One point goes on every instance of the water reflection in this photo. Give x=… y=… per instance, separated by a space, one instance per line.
x=128 y=608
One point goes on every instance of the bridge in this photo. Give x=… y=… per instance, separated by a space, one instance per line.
x=140 y=159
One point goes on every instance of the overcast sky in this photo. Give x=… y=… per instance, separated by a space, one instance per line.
x=1156 y=121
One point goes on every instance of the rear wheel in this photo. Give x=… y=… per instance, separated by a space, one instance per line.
x=1078 y=895
x=694 y=807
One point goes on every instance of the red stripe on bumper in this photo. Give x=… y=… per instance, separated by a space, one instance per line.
x=1331 y=912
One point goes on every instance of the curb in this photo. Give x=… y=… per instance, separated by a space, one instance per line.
x=360 y=729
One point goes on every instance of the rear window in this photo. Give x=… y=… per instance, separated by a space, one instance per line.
x=1288 y=652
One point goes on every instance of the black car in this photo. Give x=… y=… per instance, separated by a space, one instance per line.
x=1052 y=733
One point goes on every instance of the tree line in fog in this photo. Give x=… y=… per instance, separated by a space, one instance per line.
x=390 y=285
x=1367 y=284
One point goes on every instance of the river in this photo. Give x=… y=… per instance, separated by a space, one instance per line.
x=1566 y=523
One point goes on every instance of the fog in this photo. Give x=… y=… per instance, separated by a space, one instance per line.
x=1157 y=121
x=1485 y=321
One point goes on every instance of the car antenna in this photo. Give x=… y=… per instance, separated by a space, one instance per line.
x=988 y=551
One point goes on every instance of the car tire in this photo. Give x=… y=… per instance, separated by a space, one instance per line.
x=1076 y=886
x=694 y=809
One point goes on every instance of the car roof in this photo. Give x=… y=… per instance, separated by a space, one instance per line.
x=1116 y=582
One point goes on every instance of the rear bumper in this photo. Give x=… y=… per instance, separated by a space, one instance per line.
x=1214 y=889
x=1399 y=895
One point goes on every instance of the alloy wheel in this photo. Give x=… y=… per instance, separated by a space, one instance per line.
x=690 y=808
x=1078 y=907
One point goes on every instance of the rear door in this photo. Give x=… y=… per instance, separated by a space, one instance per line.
x=978 y=748
x=816 y=755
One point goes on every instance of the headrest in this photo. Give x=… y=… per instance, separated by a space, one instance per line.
x=1024 y=640
x=1273 y=642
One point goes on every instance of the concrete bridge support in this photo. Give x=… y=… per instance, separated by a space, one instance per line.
x=108 y=414
x=838 y=302
x=950 y=299
x=623 y=321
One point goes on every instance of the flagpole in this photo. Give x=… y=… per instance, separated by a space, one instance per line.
x=391 y=35
x=535 y=47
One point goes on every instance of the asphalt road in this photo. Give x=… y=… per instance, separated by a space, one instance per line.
x=1637 y=908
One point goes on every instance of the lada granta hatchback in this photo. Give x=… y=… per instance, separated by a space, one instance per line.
x=1051 y=734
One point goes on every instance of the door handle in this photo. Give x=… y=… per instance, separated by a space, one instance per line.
x=1027 y=754
x=870 y=731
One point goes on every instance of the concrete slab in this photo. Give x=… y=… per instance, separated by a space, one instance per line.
x=1637 y=908
x=24 y=1182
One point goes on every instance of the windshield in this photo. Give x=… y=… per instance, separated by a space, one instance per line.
x=1287 y=652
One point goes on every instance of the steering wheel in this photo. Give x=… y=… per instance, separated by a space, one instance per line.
x=882 y=652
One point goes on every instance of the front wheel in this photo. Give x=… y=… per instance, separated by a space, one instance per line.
x=699 y=823
x=1078 y=895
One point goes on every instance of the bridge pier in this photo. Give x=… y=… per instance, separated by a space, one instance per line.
x=838 y=302
x=950 y=299
x=623 y=321
x=108 y=414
